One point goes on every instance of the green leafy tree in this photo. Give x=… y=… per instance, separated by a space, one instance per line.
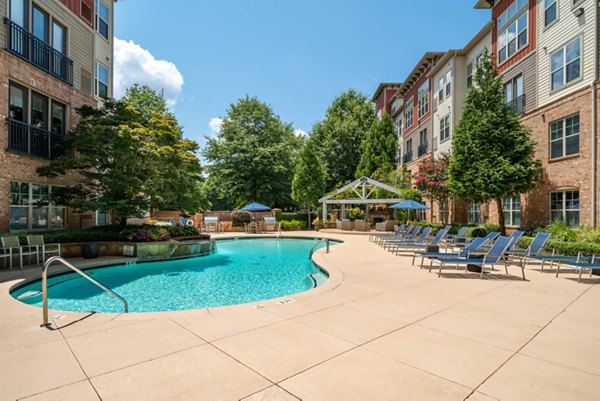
x=378 y=150
x=493 y=153
x=308 y=184
x=338 y=138
x=145 y=100
x=127 y=164
x=253 y=156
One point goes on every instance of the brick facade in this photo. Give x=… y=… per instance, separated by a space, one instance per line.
x=21 y=167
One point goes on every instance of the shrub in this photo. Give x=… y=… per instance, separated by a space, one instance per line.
x=278 y=215
x=182 y=231
x=561 y=232
x=564 y=248
x=476 y=232
x=240 y=217
x=294 y=216
x=293 y=225
x=355 y=214
x=145 y=234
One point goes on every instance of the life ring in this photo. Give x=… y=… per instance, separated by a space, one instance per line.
x=190 y=223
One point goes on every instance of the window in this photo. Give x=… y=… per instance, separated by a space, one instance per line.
x=441 y=89
x=564 y=206
x=423 y=94
x=18 y=12
x=28 y=211
x=58 y=37
x=565 y=64
x=408 y=151
x=17 y=108
x=58 y=124
x=474 y=213
x=445 y=128
x=409 y=112
x=448 y=83
x=86 y=11
x=512 y=30
x=422 y=149
x=511 y=207
x=36 y=114
x=550 y=11
x=102 y=18
x=101 y=81
x=39 y=26
x=513 y=94
x=469 y=75
x=564 y=137
x=39 y=111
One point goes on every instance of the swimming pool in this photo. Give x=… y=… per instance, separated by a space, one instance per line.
x=240 y=271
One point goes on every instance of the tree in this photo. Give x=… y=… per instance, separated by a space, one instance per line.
x=339 y=136
x=493 y=153
x=145 y=100
x=378 y=150
x=126 y=164
x=253 y=157
x=308 y=184
x=431 y=179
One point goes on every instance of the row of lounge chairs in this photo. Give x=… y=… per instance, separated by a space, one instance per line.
x=482 y=253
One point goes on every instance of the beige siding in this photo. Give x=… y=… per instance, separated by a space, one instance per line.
x=527 y=68
x=103 y=48
x=558 y=34
x=443 y=108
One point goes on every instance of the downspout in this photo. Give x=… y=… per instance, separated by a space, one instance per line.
x=594 y=114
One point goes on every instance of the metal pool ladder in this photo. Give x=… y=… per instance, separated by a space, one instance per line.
x=78 y=271
x=312 y=250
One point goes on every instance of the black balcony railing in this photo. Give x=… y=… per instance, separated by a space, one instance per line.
x=518 y=104
x=407 y=158
x=31 y=49
x=25 y=138
x=422 y=149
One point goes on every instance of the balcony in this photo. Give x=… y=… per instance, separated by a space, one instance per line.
x=31 y=49
x=518 y=104
x=25 y=138
x=407 y=158
x=422 y=149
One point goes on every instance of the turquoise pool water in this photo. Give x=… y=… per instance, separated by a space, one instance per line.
x=240 y=271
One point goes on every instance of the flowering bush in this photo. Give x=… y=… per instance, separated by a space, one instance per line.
x=146 y=234
x=182 y=231
x=431 y=179
x=239 y=217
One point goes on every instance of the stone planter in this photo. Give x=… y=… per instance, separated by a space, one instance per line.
x=151 y=250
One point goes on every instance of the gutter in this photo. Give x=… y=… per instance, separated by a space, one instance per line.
x=594 y=115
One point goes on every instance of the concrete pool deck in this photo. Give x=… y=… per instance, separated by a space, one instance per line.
x=379 y=329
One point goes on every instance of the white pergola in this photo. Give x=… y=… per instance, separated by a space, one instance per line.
x=363 y=188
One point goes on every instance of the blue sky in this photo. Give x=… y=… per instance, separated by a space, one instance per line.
x=294 y=55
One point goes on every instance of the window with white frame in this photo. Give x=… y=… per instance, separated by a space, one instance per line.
x=102 y=18
x=565 y=64
x=441 y=85
x=101 y=81
x=512 y=30
x=564 y=206
x=564 y=137
x=30 y=211
x=423 y=95
x=474 y=213
x=444 y=128
x=448 y=80
x=469 y=74
x=409 y=112
x=511 y=208
x=550 y=11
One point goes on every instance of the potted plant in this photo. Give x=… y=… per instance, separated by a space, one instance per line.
x=317 y=224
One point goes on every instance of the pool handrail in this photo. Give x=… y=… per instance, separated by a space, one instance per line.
x=78 y=271
x=312 y=250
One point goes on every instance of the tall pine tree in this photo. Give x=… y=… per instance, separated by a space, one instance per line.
x=493 y=153
x=378 y=150
x=308 y=184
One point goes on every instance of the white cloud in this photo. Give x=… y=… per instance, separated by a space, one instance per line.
x=300 y=132
x=215 y=124
x=136 y=64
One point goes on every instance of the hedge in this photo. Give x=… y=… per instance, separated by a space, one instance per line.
x=293 y=225
x=565 y=248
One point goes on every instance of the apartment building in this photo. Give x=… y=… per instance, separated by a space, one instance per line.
x=56 y=57
x=547 y=52
x=382 y=97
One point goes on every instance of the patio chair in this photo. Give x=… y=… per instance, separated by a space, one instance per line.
x=533 y=250
x=374 y=237
x=6 y=254
x=401 y=232
x=491 y=258
x=46 y=249
x=463 y=253
x=593 y=264
x=13 y=244
x=408 y=237
x=434 y=241
x=415 y=240
x=455 y=239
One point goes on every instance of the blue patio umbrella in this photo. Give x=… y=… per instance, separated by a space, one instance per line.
x=409 y=205
x=255 y=207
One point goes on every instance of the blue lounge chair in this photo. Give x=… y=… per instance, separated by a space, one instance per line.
x=401 y=235
x=458 y=238
x=375 y=237
x=463 y=253
x=494 y=256
x=409 y=237
x=434 y=241
x=533 y=250
x=415 y=240
x=593 y=264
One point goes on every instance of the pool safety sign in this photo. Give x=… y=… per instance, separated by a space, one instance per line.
x=128 y=250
